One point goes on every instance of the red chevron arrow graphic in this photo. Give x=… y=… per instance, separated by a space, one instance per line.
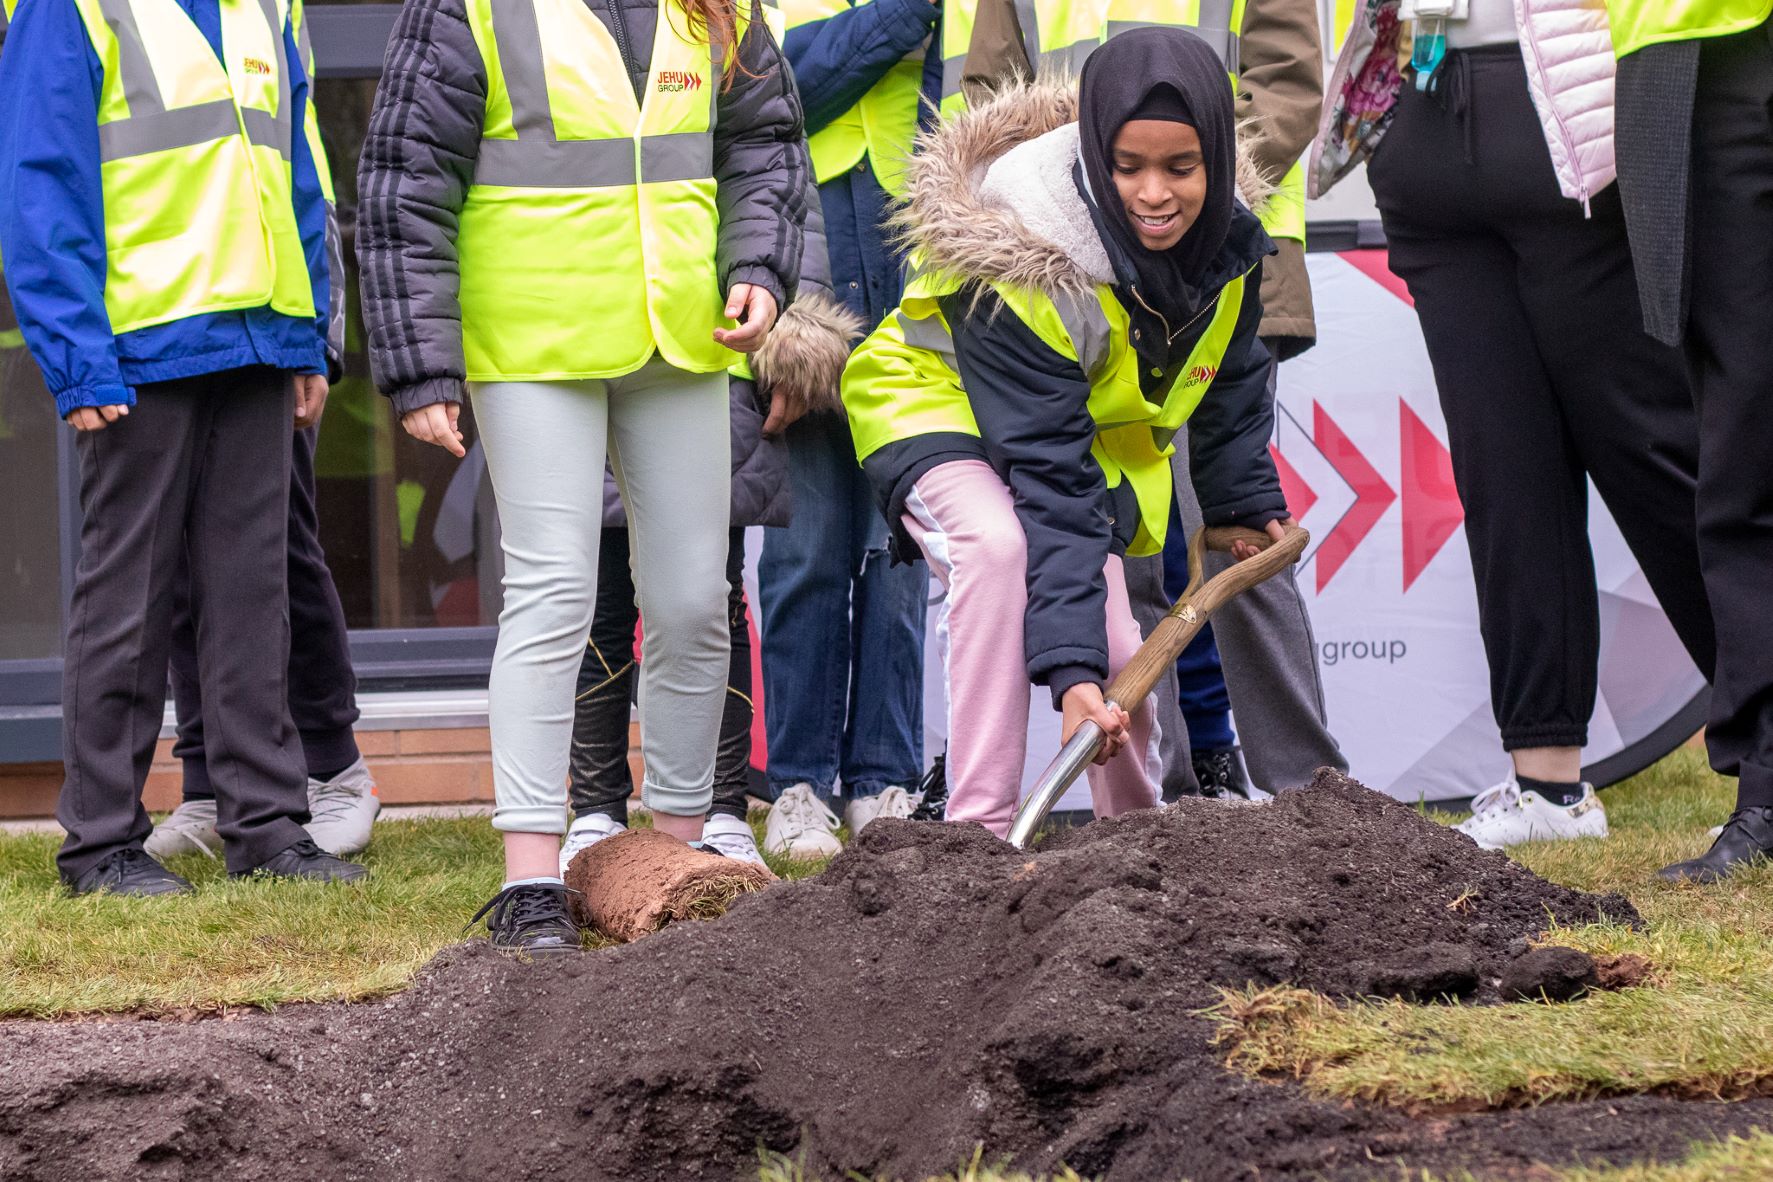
x=1372 y=496
x=1431 y=508
x=1300 y=497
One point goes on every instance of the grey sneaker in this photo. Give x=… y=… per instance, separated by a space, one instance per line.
x=342 y=810
x=188 y=829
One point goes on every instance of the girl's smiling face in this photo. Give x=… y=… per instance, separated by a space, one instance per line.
x=1160 y=173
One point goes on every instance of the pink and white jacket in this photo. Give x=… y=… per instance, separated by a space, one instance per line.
x=1569 y=58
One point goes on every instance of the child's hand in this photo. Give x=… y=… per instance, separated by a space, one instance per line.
x=96 y=418
x=310 y=399
x=755 y=309
x=436 y=424
x=1083 y=702
x=1276 y=530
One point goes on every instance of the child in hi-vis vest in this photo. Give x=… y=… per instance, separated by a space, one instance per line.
x=1087 y=283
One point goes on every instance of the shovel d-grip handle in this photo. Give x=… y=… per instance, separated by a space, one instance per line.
x=1160 y=650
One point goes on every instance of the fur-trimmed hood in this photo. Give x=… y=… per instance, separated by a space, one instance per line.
x=990 y=194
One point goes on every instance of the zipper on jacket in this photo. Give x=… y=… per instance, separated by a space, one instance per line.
x=1523 y=21
x=619 y=27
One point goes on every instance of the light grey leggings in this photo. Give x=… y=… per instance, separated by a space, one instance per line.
x=668 y=440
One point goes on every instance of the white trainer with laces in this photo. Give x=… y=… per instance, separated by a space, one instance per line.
x=586 y=832
x=800 y=826
x=1506 y=815
x=188 y=829
x=343 y=810
x=859 y=813
x=730 y=837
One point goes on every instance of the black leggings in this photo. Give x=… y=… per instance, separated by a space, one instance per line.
x=602 y=780
x=1531 y=316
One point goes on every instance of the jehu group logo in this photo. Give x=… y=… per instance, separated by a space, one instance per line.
x=677 y=81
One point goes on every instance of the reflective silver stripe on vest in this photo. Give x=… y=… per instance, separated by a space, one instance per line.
x=162 y=131
x=680 y=156
x=1087 y=326
x=141 y=89
x=953 y=70
x=930 y=335
x=282 y=131
x=520 y=60
x=555 y=164
x=1222 y=41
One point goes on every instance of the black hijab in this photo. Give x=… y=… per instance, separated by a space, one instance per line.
x=1166 y=73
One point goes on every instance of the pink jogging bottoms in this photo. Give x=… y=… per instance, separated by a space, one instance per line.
x=963 y=519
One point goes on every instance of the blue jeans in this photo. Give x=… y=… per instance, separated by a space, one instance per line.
x=1206 y=705
x=842 y=630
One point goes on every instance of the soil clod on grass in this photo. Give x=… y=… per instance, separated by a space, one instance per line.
x=932 y=992
x=1549 y=974
x=634 y=883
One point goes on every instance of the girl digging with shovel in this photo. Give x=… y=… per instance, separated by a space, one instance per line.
x=1086 y=283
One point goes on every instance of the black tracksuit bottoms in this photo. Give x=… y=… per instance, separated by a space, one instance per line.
x=1531 y=315
x=322 y=685
x=197 y=472
x=1730 y=345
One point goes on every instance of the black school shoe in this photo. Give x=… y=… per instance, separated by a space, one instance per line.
x=530 y=918
x=932 y=794
x=1221 y=774
x=130 y=871
x=305 y=860
x=1747 y=838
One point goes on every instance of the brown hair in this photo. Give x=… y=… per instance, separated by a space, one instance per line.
x=713 y=22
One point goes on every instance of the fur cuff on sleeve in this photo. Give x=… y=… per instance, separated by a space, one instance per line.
x=805 y=352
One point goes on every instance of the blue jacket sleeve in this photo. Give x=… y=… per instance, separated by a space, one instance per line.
x=309 y=198
x=1032 y=407
x=839 y=59
x=52 y=214
x=1228 y=434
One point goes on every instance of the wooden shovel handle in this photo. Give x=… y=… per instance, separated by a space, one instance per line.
x=1201 y=600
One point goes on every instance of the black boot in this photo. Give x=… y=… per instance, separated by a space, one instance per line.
x=1747 y=838
x=130 y=871
x=305 y=860
x=1221 y=774
x=933 y=792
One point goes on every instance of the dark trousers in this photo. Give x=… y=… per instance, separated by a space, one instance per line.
x=322 y=686
x=1531 y=315
x=601 y=779
x=197 y=473
x=1730 y=347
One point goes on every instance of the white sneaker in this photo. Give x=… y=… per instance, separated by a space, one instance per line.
x=800 y=826
x=859 y=813
x=586 y=832
x=1505 y=815
x=730 y=837
x=342 y=810
x=190 y=828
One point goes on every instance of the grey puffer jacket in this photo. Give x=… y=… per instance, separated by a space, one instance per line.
x=418 y=161
x=804 y=355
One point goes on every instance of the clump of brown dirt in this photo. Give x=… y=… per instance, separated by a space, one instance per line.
x=932 y=991
x=634 y=883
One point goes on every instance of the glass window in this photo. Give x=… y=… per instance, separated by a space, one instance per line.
x=30 y=531
x=408 y=529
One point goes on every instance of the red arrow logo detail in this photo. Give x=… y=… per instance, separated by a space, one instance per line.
x=1372 y=496
x=1431 y=508
x=1300 y=497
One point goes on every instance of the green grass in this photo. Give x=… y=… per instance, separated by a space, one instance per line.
x=1702 y=1026
x=1736 y=1159
x=244 y=943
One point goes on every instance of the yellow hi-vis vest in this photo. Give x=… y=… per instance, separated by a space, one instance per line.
x=194 y=165
x=311 y=119
x=881 y=126
x=586 y=242
x=958 y=18
x=1637 y=23
x=902 y=382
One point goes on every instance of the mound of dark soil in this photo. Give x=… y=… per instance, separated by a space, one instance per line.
x=932 y=991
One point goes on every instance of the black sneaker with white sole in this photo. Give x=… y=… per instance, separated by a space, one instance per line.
x=305 y=860
x=932 y=794
x=531 y=918
x=130 y=871
x=1221 y=774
